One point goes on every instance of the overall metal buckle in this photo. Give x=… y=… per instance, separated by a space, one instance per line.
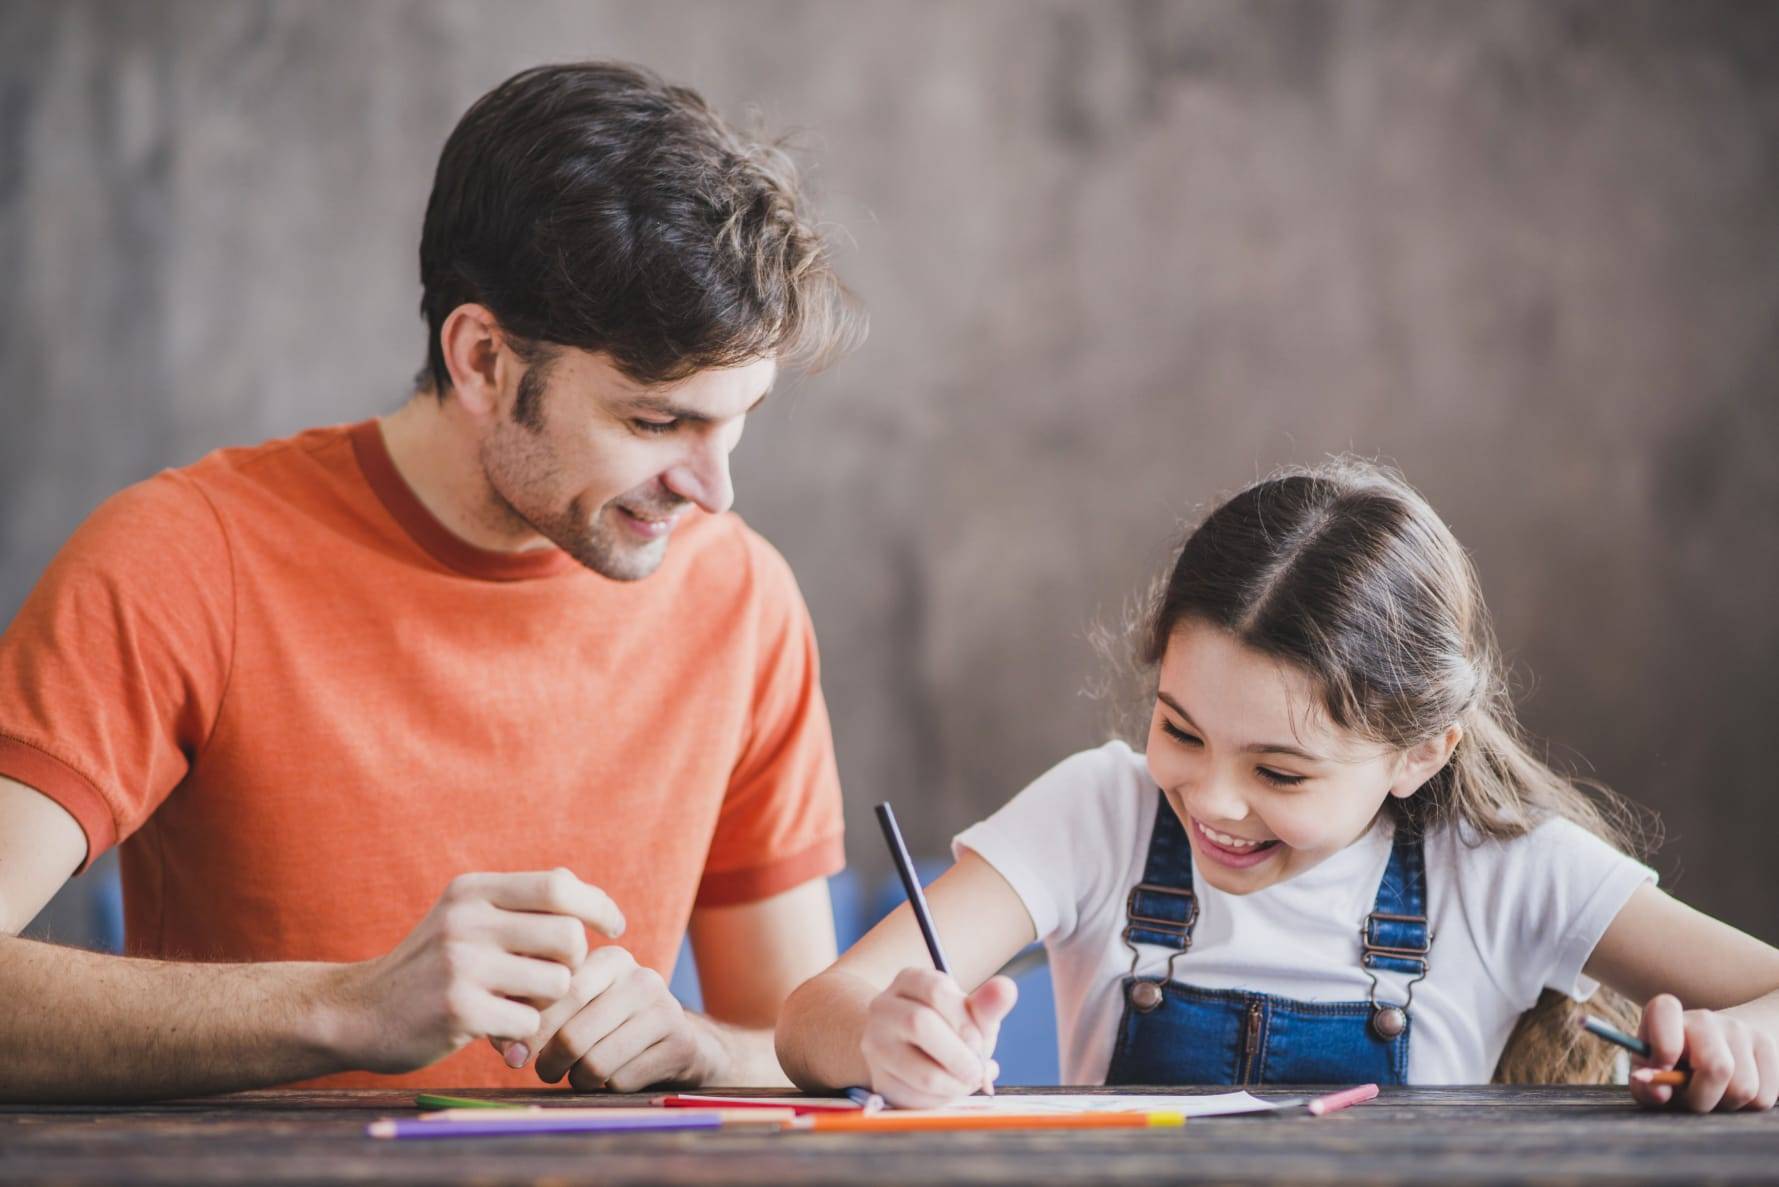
x=1388 y=1021
x=1146 y=995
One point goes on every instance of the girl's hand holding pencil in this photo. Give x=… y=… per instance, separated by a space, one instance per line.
x=928 y=1044
x=1731 y=1065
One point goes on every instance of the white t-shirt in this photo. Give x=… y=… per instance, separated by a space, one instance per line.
x=1508 y=918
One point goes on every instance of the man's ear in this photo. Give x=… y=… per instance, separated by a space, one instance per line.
x=1424 y=760
x=471 y=341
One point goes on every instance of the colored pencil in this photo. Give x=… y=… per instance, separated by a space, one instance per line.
x=892 y=836
x=800 y=1105
x=1673 y=1077
x=1613 y=1034
x=434 y=1100
x=402 y=1128
x=865 y=1099
x=1335 y=1101
x=770 y=1118
x=917 y=902
x=1636 y=1046
x=913 y=1120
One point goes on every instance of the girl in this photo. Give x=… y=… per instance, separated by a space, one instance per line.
x=1335 y=861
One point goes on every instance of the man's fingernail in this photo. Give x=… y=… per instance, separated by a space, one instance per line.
x=517 y=1054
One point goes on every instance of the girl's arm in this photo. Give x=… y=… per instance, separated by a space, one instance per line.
x=1664 y=953
x=882 y=1016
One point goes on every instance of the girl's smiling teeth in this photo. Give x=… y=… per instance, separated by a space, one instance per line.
x=1239 y=849
x=1227 y=841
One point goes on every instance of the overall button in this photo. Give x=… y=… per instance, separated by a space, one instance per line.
x=1145 y=996
x=1389 y=1021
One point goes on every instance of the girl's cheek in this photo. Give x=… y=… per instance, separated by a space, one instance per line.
x=1297 y=829
x=1308 y=822
x=1327 y=819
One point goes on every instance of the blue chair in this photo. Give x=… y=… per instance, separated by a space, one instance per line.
x=843 y=889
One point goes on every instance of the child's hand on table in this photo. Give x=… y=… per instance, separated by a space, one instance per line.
x=927 y=1044
x=1734 y=1066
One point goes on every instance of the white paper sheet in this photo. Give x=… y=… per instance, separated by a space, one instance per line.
x=1221 y=1104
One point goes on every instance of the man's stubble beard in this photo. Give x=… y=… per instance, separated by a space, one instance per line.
x=510 y=460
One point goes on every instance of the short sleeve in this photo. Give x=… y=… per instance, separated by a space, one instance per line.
x=1062 y=841
x=1541 y=902
x=781 y=822
x=113 y=670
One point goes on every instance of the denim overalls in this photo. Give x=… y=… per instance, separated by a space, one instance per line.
x=1173 y=1033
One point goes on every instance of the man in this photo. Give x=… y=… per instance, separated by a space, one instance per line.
x=388 y=716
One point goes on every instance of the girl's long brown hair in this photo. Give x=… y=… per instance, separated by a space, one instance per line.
x=1345 y=571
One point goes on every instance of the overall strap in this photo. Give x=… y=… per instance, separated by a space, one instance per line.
x=1162 y=908
x=1395 y=935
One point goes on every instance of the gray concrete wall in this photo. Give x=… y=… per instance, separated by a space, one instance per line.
x=1120 y=256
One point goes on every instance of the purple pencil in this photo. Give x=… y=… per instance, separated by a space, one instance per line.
x=535 y=1123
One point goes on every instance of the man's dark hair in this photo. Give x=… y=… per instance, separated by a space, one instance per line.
x=593 y=205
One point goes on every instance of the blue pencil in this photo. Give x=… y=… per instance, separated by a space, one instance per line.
x=1613 y=1034
x=403 y=1127
x=1675 y=1076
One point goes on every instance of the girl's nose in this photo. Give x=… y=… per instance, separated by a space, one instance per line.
x=1216 y=801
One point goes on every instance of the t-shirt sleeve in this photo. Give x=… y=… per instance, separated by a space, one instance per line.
x=1541 y=902
x=781 y=822
x=1060 y=842
x=112 y=672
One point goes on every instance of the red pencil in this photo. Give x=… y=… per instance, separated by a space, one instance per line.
x=800 y=1107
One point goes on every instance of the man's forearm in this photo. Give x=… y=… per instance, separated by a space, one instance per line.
x=747 y=1059
x=81 y=1025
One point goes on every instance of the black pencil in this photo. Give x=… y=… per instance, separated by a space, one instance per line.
x=886 y=816
x=892 y=836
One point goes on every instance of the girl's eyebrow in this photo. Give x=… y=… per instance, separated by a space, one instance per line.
x=1252 y=747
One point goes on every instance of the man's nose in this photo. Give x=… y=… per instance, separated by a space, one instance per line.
x=703 y=476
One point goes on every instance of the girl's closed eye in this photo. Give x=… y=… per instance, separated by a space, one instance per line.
x=1276 y=778
x=1179 y=735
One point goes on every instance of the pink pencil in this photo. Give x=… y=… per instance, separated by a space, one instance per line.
x=1340 y=1100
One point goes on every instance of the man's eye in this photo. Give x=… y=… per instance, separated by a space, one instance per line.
x=655 y=426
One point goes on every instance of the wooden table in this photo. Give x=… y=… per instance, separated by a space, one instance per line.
x=1410 y=1135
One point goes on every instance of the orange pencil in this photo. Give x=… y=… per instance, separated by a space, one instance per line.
x=912 y=1121
x=1636 y=1046
x=1673 y=1076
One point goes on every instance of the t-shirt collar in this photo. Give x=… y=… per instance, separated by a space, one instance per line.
x=425 y=529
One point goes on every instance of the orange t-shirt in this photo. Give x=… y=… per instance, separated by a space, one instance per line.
x=304 y=706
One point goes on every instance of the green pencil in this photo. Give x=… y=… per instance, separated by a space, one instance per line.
x=431 y=1100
